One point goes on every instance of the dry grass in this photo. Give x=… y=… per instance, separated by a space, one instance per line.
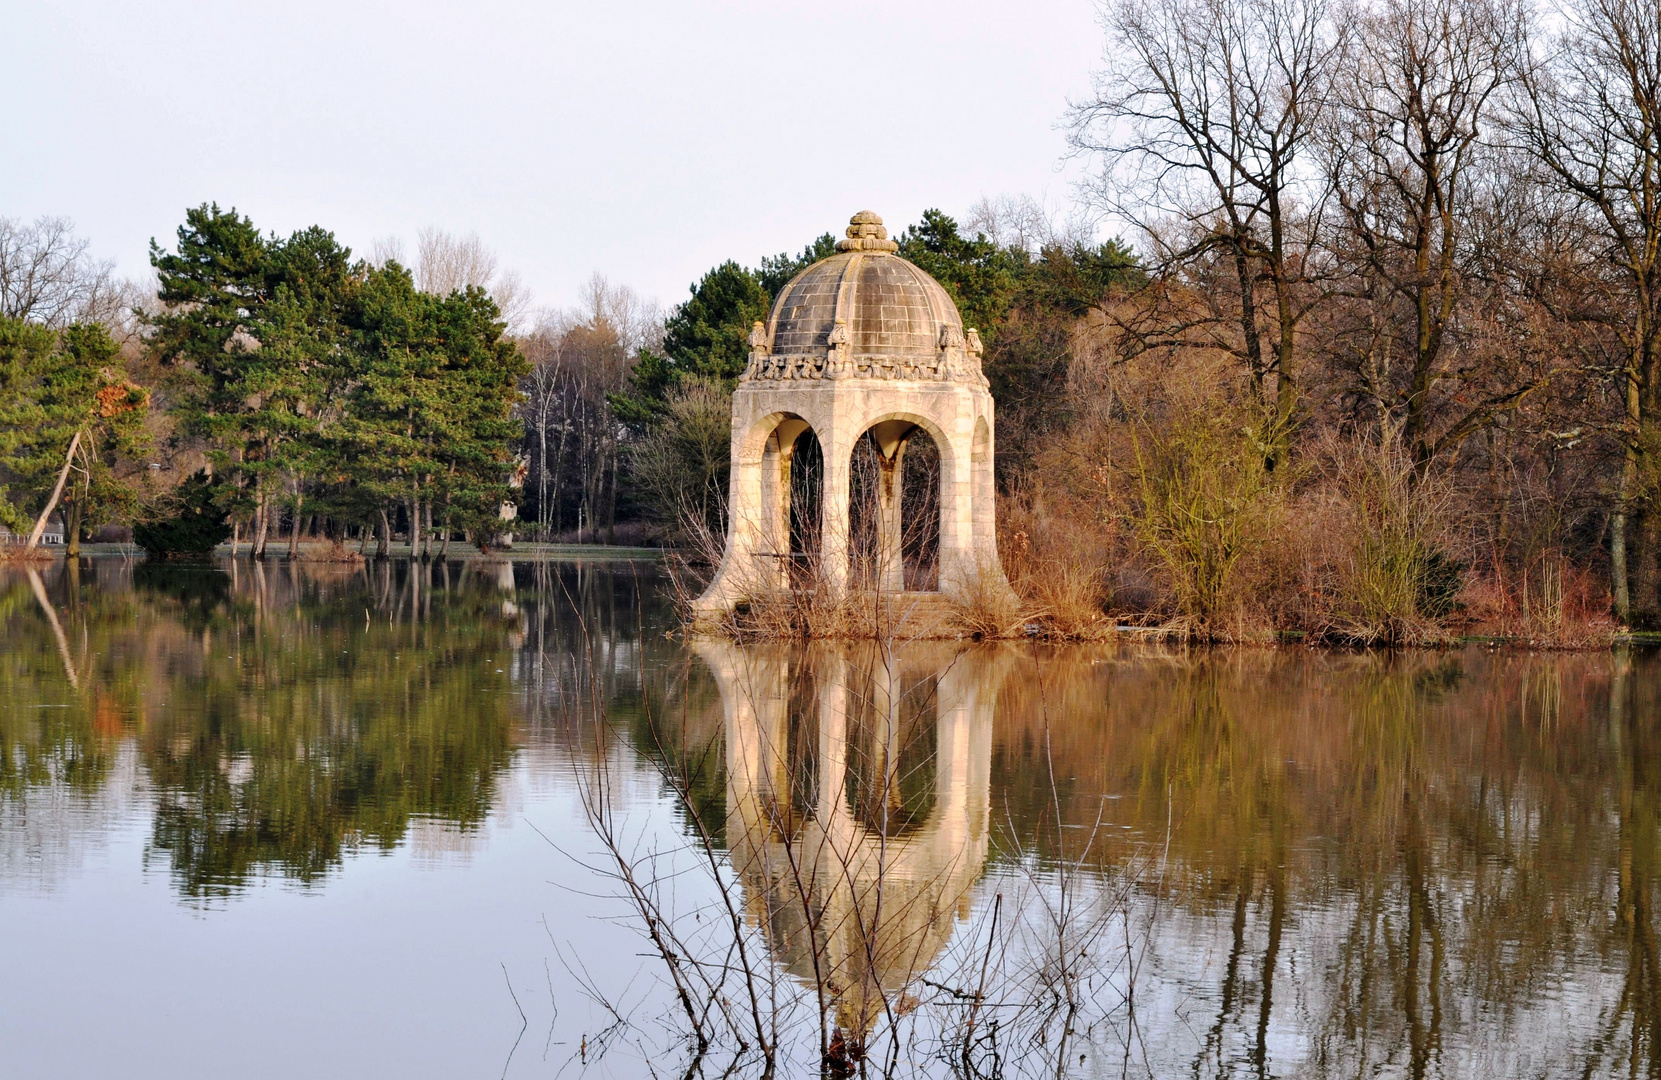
x=1058 y=563
x=1550 y=602
x=989 y=608
x=19 y=555
x=332 y=552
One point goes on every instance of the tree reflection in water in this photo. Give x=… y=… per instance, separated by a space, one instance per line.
x=1302 y=863
x=282 y=714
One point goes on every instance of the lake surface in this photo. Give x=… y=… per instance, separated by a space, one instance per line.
x=330 y=821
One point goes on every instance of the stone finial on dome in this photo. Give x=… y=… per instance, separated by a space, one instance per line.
x=865 y=233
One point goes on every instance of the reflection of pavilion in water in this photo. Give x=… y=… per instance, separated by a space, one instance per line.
x=857 y=806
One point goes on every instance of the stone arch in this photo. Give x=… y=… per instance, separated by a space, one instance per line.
x=753 y=443
x=758 y=544
x=907 y=553
x=894 y=507
x=936 y=430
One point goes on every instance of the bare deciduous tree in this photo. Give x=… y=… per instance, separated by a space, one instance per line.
x=579 y=359
x=48 y=276
x=1590 y=113
x=1404 y=148
x=1014 y=221
x=1202 y=122
x=445 y=263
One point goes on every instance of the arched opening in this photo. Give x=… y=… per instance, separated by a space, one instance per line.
x=894 y=509
x=806 y=465
x=891 y=750
x=920 y=513
x=802 y=741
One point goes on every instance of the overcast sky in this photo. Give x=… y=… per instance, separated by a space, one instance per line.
x=644 y=139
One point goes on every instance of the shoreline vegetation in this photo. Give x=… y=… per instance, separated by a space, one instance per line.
x=884 y=617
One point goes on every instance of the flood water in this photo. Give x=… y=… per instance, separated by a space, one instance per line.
x=315 y=820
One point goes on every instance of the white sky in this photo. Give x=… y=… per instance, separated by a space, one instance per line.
x=644 y=139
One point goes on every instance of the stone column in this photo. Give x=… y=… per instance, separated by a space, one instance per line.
x=747 y=565
x=890 y=528
x=773 y=553
x=833 y=515
x=956 y=511
x=832 y=806
x=985 y=500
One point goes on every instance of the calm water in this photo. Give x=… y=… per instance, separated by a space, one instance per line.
x=324 y=821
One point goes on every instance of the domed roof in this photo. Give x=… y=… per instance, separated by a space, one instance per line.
x=889 y=306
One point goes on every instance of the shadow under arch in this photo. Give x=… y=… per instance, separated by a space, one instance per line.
x=774 y=520
x=802 y=468
x=895 y=484
x=857 y=855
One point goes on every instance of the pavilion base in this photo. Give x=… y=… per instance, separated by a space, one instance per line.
x=858 y=614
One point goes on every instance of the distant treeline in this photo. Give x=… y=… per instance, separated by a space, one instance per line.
x=305 y=382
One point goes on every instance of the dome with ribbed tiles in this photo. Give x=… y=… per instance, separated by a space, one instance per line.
x=889 y=306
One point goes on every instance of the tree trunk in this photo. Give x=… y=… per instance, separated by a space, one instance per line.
x=611 y=504
x=383 y=541
x=294 y=529
x=542 y=477
x=1643 y=570
x=72 y=529
x=414 y=528
x=1248 y=328
x=444 y=548
x=262 y=527
x=559 y=475
x=57 y=493
x=1617 y=568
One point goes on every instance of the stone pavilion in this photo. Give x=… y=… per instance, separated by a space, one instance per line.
x=862 y=341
